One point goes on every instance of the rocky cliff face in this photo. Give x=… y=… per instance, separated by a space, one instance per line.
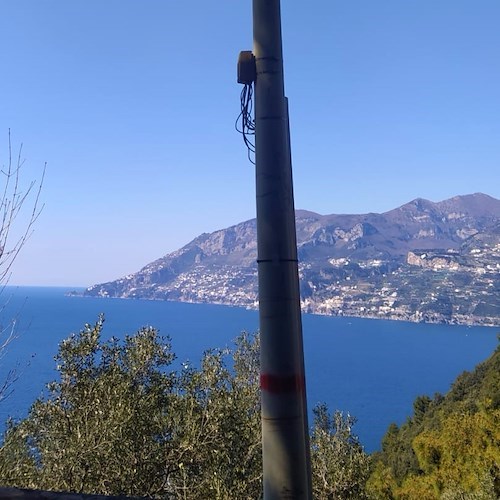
x=423 y=261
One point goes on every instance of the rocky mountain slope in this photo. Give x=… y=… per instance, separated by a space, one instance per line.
x=423 y=261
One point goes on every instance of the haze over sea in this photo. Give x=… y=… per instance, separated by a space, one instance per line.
x=372 y=369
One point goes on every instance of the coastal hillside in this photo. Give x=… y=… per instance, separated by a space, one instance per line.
x=450 y=447
x=423 y=261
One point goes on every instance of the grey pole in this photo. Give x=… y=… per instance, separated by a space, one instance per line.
x=285 y=438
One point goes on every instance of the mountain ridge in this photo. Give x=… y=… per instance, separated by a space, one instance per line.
x=422 y=261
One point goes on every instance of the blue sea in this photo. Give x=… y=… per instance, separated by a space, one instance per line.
x=372 y=369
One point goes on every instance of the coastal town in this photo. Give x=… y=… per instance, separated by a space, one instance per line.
x=422 y=262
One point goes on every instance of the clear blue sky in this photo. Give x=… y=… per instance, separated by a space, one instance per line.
x=132 y=104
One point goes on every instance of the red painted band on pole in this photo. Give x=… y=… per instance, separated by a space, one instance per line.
x=279 y=384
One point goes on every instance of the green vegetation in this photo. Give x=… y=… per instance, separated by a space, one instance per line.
x=340 y=467
x=450 y=447
x=122 y=421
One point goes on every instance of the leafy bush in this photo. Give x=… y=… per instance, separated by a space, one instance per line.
x=121 y=421
x=450 y=448
x=340 y=467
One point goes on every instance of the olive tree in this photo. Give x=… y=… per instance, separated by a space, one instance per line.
x=340 y=467
x=123 y=420
x=120 y=420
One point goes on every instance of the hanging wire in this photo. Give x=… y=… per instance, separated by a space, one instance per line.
x=245 y=124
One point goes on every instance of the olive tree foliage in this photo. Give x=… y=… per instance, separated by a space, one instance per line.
x=20 y=207
x=219 y=453
x=99 y=429
x=122 y=420
x=340 y=467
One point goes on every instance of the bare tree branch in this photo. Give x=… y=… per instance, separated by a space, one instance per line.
x=12 y=201
x=15 y=200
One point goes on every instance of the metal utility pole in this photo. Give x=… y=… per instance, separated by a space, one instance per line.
x=285 y=436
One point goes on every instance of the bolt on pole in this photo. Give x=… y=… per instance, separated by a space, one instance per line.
x=285 y=437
